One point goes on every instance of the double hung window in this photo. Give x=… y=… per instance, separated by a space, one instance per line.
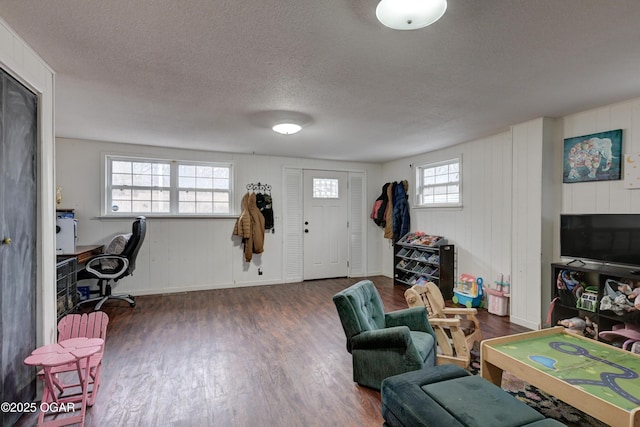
x=167 y=187
x=438 y=184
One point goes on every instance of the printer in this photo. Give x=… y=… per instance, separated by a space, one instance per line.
x=66 y=235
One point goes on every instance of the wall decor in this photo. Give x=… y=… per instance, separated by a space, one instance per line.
x=595 y=157
x=632 y=170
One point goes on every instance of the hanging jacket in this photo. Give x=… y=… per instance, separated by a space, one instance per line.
x=243 y=228
x=375 y=209
x=401 y=218
x=265 y=205
x=257 y=225
x=388 y=227
x=378 y=213
x=250 y=227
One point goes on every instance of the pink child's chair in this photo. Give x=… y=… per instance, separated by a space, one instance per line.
x=92 y=325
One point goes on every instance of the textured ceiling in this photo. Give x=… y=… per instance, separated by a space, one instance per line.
x=208 y=74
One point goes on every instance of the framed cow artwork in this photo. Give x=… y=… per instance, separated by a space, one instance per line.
x=595 y=157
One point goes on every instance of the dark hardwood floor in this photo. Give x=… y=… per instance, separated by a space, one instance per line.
x=256 y=356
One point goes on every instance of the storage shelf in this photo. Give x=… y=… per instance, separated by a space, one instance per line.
x=66 y=286
x=433 y=263
x=596 y=276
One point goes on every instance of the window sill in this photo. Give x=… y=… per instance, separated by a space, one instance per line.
x=440 y=207
x=152 y=216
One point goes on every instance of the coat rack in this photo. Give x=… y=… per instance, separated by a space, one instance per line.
x=266 y=208
x=261 y=188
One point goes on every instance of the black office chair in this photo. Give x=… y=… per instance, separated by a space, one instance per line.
x=108 y=268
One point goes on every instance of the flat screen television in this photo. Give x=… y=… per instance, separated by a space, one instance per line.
x=608 y=238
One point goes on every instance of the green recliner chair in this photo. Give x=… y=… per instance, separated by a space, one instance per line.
x=383 y=344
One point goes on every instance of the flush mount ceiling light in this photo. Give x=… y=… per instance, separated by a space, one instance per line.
x=285 y=122
x=410 y=14
x=287 y=128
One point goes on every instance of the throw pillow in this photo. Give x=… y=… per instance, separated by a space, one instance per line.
x=115 y=247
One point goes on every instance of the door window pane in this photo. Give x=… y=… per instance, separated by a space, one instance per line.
x=325 y=188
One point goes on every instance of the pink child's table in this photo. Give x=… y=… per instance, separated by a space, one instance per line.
x=74 y=350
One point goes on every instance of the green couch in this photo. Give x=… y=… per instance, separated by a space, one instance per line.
x=383 y=344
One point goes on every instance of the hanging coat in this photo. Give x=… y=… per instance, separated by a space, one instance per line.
x=388 y=226
x=378 y=212
x=243 y=228
x=257 y=225
x=250 y=227
x=401 y=218
x=265 y=205
x=382 y=215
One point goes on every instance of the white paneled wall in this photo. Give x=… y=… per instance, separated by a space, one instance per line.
x=185 y=254
x=481 y=229
x=503 y=227
x=532 y=211
x=604 y=196
x=292 y=225
x=513 y=195
x=357 y=220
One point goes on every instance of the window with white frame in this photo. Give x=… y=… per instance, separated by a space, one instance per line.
x=167 y=187
x=438 y=184
x=325 y=188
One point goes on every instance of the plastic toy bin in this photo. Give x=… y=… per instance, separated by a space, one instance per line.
x=498 y=302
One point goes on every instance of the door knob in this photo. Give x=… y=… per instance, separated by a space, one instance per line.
x=6 y=241
x=306 y=230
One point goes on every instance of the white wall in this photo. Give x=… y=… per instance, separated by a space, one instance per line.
x=500 y=229
x=181 y=254
x=603 y=196
x=17 y=58
x=509 y=222
x=535 y=189
x=481 y=229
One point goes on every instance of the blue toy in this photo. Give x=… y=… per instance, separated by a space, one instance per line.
x=469 y=291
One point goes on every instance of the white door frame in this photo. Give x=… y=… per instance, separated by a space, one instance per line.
x=326 y=225
x=293 y=222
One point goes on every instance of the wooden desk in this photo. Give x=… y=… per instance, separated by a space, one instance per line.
x=592 y=376
x=83 y=253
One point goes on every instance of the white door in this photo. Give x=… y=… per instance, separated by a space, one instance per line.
x=325 y=224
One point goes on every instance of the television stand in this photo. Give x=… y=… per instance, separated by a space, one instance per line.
x=576 y=261
x=593 y=280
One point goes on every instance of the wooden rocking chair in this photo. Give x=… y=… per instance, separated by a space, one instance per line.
x=92 y=325
x=457 y=329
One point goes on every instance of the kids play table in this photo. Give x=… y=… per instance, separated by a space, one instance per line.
x=596 y=378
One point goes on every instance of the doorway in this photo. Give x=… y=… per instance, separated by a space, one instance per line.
x=18 y=232
x=325 y=224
